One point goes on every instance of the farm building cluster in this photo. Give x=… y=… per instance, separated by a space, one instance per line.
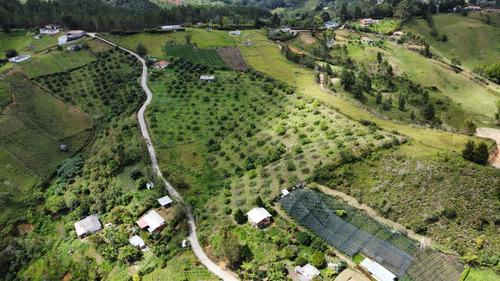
x=152 y=222
x=71 y=35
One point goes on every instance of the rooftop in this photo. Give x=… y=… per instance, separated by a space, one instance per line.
x=258 y=214
x=165 y=200
x=378 y=271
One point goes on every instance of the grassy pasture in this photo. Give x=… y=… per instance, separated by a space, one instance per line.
x=476 y=274
x=462 y=97
x=385 y=26
x=57 y=61
x=18 y=40
x=474 y=41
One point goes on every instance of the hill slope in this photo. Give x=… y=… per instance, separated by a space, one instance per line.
x=473 y=40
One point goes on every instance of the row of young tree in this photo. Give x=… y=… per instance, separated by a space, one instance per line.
x=100 y=16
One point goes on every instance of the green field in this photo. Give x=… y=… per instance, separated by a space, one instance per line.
x=154 y=42
x=184 y=51
x=482 y=275
x=473 y=40
x=463 y=97
x=210 y=57
x=18 y=40
x=56 y=61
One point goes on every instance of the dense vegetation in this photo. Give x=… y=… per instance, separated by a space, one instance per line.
x=99 y=15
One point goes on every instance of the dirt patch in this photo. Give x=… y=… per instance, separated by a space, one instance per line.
x=492 y=134
x=22 y=229
x=233 y=57
x=295 y=50
x=67 y=277
x=307 y=38
x=340 y=37
x=335 y=80
x=351 y=275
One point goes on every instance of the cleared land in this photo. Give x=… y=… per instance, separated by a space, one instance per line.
x=473 y=40
x=233 y=57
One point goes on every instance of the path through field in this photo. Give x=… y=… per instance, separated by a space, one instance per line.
x=193 y=239
x=492 y=134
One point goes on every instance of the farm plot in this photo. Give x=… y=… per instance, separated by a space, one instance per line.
x=36 y=124
x=57 y=62
x=430 y=265
x=208 y=57
x=233 y=57
x=184 y=51
x=211 y=57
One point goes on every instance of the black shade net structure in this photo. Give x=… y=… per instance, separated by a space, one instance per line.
x=316 y=212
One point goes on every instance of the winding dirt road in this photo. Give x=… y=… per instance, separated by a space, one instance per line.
x=193 y=239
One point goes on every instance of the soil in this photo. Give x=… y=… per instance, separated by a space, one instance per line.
x=295 y=50
x=350 y=275
x=307 y=38
x=492 y=134
x=22 y=229
x=67 y=277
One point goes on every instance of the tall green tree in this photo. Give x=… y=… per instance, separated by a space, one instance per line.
x=141 y=50
x=481 y=154
x=468 y=152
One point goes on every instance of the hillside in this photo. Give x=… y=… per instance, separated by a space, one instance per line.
x=471 y=37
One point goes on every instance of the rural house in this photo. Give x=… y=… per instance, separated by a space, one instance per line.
x=63 y=147
x=49 y=31
x=89 y=224
x=367 y=22
x=74 y=47
x=206 y=78
x=137 y=241
x=152 y=221
x=235 y=32
x=165 y=201
x=53 y=26
x=329 y=24
x=307 y=272
x=285 y=192
x=71 y=36
x=259 y=217
x=171 y=27
x=366 y=40
x=20 y=58
x=377 y=271
x=161 y=64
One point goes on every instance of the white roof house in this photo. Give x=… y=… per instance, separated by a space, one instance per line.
x=171 y=27
x=87 y=225
x=153 y=221
x=259 y=217
x=20 y=58
x=378 y=272
x=207 y=78
x=137 y=242
x=285 y=192
x=307 y=272
x=49 y=31
x=164 y=201
x=236 y=32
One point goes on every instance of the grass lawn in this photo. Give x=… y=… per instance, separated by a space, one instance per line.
x=482 y=275
x=18 y=40
x=56 y=61
x=385 y=26
x=265 y=56
x=154 y=42
x=473 y=40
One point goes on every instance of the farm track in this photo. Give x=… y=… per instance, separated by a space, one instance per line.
x=192 y=237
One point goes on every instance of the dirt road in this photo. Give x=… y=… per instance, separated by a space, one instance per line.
x=193 y=239
x=492 y=134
